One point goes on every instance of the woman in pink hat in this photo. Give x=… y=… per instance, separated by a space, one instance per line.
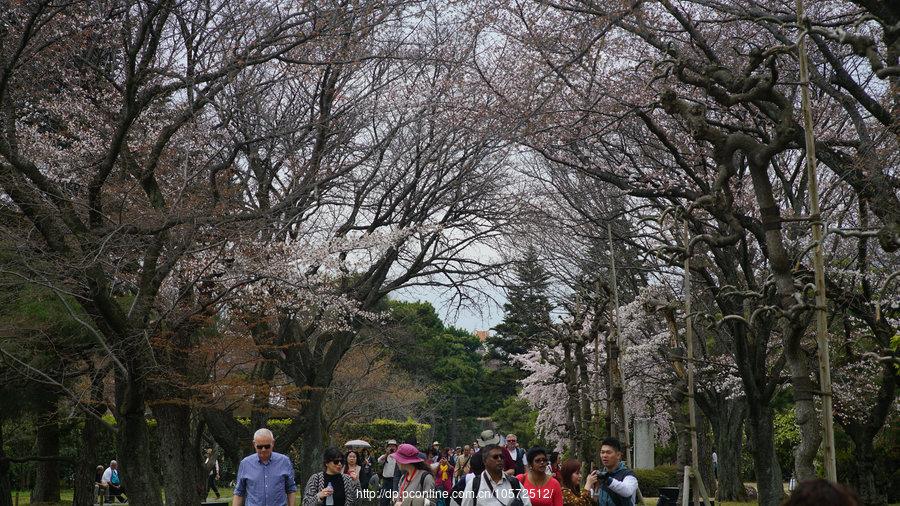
x=417 y=483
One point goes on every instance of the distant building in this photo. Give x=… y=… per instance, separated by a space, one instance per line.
x=482 y=335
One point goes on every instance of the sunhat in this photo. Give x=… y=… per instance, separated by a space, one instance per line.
x=488 y=438
x=407 y=454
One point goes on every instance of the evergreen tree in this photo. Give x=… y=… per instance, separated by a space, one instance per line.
x=527 y=312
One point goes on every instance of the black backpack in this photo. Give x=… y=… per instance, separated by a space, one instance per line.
x=517 y=489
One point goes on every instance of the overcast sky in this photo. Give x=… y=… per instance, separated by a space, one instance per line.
x=483 y=317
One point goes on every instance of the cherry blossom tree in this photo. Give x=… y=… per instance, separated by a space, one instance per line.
x=127 y=183
x=653 y=100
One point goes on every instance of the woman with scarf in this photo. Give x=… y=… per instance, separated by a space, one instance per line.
x=443 y=480
x=416 y=483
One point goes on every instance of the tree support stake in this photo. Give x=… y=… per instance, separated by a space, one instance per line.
x=692 y=472
x=818 y=258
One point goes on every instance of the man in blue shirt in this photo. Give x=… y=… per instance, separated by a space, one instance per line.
x=265 y=478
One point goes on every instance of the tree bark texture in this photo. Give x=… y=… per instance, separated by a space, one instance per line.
x=805 y=412
x=576 y=429
x=727 y=422
x=133 y=444
x=87 y=458
x=863 y=475
x=178 y=459
x=5 y=485
x=704 y=449
x=589 y=436
x=88 y=455
x=46 y=480
x=312 y=439
x=760 y=424
x=232 y=437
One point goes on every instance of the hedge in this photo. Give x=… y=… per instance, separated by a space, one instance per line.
x=378 y=431
x=651 y=480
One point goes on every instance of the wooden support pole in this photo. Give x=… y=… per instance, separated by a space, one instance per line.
x=692 y=409
x=818 y=258
x=619 y=344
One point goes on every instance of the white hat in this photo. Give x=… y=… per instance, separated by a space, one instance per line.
x=392 y=441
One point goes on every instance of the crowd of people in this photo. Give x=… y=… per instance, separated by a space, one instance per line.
x=485 y=473
x=489 y=472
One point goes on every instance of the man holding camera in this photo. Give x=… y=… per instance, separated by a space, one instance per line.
x=387 y=472
x=617 y=484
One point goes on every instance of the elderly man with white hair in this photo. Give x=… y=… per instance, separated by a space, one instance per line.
x=265 y=478
x=113 y=482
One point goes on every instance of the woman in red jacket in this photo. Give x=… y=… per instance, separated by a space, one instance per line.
x=543 y=489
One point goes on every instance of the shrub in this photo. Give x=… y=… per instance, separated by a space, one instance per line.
x=787 y=437
x=651 y=480
x=378 y=431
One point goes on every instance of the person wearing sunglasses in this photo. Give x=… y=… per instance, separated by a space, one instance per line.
x=331 y=487
x=543 y=489
x=513 y=456
x=265 y=478
x=493 y=487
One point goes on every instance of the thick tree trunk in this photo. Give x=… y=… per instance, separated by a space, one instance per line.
x=589 y=437
x=133 y=444
x=232 y=437
x=5 y=485
x=863 y=433
x=760 y=424
x=728 y=430
x=85 y=469
x=180 y=463
x=863 y=477
x=804 y=410
x=87 y=460
x=46 y=480
x=682 y=423
x=573 y=404
x=312 y=439
x=705 y=444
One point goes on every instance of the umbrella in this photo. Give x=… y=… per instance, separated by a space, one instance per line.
x=357 y=443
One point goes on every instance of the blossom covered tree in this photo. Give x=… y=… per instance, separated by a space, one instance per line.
x=656 y=101
x=195 y=173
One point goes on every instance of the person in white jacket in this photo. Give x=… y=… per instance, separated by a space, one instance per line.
x=616 y=484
